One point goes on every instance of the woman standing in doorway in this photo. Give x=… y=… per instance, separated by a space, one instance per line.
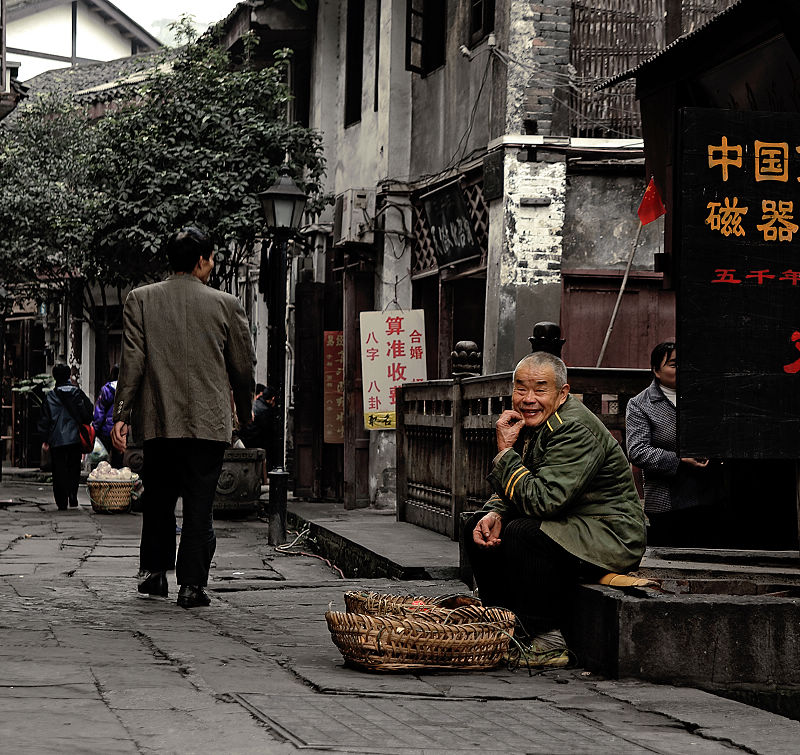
x=675 y=488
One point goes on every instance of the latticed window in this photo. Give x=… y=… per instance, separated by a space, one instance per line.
x=477 y=211
x=609 y=37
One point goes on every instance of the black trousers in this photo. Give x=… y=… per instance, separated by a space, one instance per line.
x=66 y=469
x=186 y=467
x=528 y=573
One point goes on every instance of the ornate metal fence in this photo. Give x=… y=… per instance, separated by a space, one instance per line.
x=446 y=440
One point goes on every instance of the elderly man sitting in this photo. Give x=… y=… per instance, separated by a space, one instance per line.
x=565 y=508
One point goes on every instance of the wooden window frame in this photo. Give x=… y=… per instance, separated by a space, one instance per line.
x=426 y=35
x=481 y=20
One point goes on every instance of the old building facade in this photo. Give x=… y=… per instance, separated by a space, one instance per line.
x=493 y=188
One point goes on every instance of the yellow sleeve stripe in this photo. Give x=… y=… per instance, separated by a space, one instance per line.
x=549 y=425
x=519 y=471
x=515 y=483
x=558 y=418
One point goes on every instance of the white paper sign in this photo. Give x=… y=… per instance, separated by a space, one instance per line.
x=392 y=353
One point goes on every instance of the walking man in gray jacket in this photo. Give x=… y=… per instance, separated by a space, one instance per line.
x=185 y=347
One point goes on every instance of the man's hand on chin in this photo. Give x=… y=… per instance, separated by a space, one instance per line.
x=487 y=532
x=508 y=428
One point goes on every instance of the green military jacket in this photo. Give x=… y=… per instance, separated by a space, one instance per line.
x=572 y=475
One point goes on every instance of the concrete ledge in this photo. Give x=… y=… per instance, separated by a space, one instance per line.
x=745 y=646
x=372 y=544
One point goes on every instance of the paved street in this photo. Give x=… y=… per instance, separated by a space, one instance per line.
x=89 y=666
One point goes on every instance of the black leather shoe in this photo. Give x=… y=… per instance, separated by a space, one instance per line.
x=192 y=596
x=153 y=583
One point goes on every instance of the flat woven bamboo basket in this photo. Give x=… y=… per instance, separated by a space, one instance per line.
x=394 y=643
x=379 y=604
x=110 y=496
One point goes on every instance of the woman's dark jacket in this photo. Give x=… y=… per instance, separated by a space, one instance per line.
x=56 y=425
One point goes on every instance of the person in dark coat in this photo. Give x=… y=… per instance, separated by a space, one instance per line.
x=675 y=488
x=103 y=421
x=185 y=347
x=259 y=432
x=62 y=406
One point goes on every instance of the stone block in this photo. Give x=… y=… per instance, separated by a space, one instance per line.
x=239 y=482
x=715 y=640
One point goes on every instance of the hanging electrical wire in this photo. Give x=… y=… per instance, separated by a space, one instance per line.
x=302 y=537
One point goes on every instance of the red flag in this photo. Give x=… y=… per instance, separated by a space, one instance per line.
x=651 y=207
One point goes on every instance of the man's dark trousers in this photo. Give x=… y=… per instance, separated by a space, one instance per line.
x=528 y=573
x=186 y=467
x=66 y=469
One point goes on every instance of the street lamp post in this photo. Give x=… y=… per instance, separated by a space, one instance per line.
x=283 y=204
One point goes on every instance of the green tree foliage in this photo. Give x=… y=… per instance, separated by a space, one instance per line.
x=49 y=204
x=85 y=208
x=195 y=144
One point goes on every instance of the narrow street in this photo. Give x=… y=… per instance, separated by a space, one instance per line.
x=89 y=666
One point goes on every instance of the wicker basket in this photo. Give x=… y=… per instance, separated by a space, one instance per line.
x=110 y=496
x=380 y=604
x=394 y=643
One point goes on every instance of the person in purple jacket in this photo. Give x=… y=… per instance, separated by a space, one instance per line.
x=103 y=421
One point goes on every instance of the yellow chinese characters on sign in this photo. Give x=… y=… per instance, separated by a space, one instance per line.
x=392 y=353
x=772 y=161
x=726 y=218
x=725 y=156
x=778 y=220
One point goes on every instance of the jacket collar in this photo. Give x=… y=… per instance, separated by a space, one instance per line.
x=183 y=276
x=654 y=393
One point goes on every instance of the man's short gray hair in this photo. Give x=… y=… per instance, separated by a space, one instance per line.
x=545 y=359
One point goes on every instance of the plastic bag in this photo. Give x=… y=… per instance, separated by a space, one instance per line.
x=99 y=452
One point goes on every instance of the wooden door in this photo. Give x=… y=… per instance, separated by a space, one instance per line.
x=646 y=317
x=358 y=297
x=309 y=326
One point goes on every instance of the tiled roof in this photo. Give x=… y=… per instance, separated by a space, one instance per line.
x=81 y=79
x=86 y=75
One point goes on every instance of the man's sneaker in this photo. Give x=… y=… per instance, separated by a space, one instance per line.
x=546 y=650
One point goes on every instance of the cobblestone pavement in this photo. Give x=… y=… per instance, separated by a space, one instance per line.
x=89 y=666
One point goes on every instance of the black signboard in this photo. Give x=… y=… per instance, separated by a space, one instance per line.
x=738 y=292
x=451 y=230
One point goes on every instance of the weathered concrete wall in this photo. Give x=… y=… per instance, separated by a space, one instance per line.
x=524 y=265
x=325 y=110
x=452 y=113
x=600 y=223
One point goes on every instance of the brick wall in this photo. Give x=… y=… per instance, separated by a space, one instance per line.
x=539 y=37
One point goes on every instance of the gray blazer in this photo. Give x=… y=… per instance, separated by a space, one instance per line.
x=651 y=438
x=183 y=343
